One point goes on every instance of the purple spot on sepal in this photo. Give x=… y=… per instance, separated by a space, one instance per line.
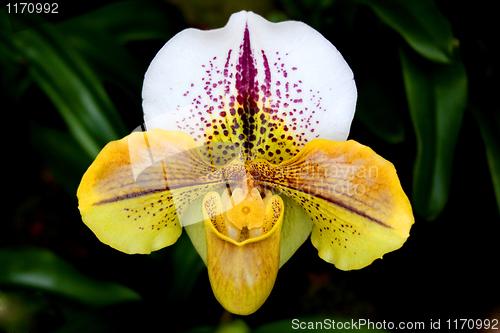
x=267 y=70
x=245 y=78
x=226 y=71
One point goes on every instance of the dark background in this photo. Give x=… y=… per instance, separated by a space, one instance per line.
x=448 y=268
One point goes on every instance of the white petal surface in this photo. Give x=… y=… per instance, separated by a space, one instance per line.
x=267 y=87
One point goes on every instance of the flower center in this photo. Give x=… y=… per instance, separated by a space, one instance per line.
x=244 y=213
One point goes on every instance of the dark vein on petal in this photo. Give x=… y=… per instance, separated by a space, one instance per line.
x=335 y=202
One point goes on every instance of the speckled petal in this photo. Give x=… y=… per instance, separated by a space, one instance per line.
x=353 y=196
x=267 y=87
x=135 y=194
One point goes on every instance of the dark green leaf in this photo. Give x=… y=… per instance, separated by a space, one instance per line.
x=234 y=326
x=186 y=265
x=129 y=20
x=378 y=110
x=25 y=311
x=437 y=98
x=13 y=79
x=489 y=124
x=63 y=156
x=41 y=269
x=381 y=101
x=119 y=318
x=99 y=37
x=72 y=87
x=109 y=60
x=420 y=23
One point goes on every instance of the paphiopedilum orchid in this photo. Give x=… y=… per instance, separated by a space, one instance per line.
x=245 y=148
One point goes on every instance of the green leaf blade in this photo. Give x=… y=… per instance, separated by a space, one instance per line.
x=489 y=125
x=72 y=87
x=420 y=23
x=41 y=269
x=437 y=98
x=126 y=21
x=377 y=109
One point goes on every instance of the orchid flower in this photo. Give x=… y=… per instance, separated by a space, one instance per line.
x=245 y=148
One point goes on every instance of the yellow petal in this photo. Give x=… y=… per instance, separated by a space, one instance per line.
x=297 y=226
x=138 y=187
x=353 y=196
x=242 y=274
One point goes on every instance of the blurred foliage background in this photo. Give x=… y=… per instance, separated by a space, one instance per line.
x=427 y=84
